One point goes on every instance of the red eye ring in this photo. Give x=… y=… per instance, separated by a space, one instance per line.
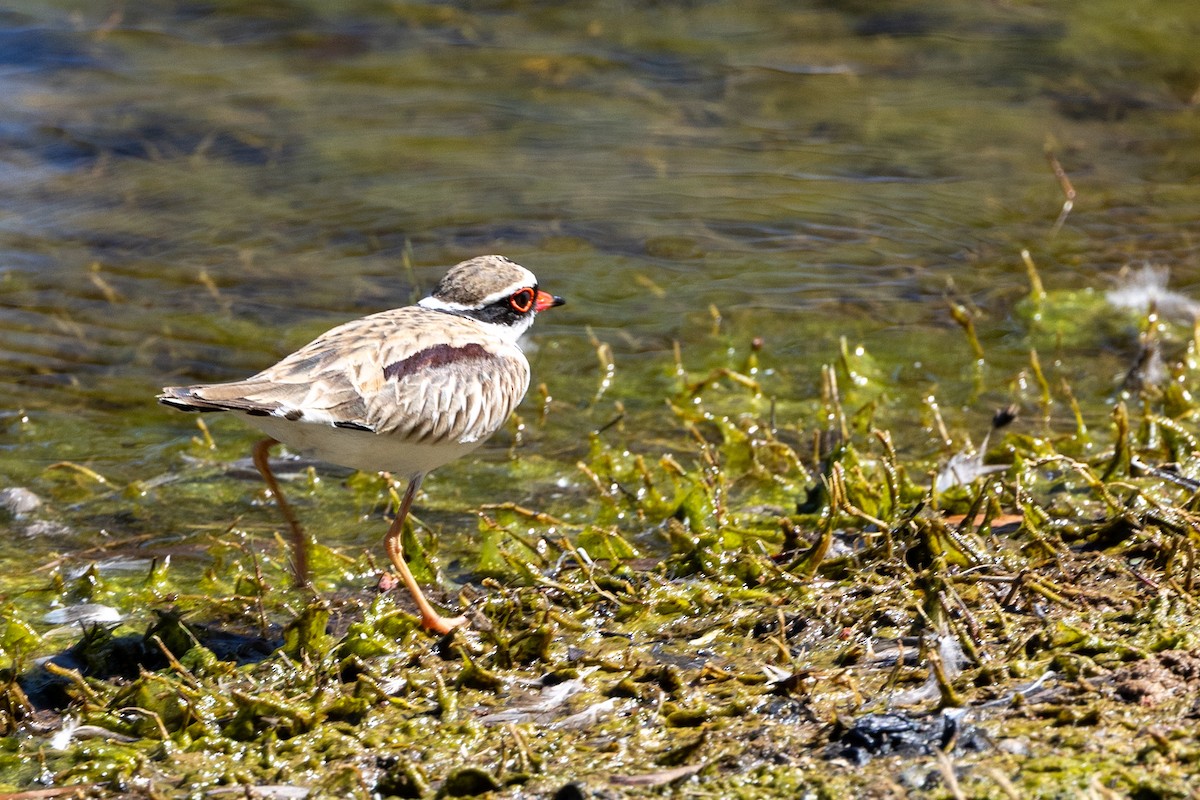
x=522 y=301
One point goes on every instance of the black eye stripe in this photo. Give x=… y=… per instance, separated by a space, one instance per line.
x=513 y=309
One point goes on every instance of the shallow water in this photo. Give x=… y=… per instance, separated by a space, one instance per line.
x=189 y=191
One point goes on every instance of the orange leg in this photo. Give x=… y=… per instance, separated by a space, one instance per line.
x=262 y=450
x=393 y=542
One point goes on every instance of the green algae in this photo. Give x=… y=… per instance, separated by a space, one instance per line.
x=702 y=631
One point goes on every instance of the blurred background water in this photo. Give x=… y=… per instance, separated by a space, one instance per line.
x=189 y=190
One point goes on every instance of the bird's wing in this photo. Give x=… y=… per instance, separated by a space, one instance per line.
x=420 y=374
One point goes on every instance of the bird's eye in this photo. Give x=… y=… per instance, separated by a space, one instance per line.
x=522 y=301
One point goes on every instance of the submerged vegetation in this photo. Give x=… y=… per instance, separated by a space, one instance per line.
x=789 y=592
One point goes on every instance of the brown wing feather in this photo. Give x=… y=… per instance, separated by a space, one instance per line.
x=412 y=372
x=442 y=393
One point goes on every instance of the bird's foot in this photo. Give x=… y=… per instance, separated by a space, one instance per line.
x=439 y=624
x=430 y=619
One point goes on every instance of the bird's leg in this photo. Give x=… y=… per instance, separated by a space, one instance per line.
x=394 y=542
x=262 y=450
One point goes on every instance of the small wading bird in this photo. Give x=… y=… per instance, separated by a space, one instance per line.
x=403 y=391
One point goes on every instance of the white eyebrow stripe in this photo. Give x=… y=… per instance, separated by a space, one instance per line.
x=442 y=305
x=503 y=294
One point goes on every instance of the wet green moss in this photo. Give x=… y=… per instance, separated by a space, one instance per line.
x=710 y=625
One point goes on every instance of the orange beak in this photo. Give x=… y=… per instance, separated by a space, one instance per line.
x=545 y=301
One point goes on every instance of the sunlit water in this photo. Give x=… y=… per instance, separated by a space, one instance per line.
x=189 y=191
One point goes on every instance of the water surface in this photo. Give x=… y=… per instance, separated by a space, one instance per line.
x=190 y=190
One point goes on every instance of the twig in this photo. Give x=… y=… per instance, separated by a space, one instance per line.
x=1067 y=189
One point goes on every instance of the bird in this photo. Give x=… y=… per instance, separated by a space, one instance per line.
x=403 y=391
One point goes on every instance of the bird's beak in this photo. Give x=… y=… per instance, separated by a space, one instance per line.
x=545 y=301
